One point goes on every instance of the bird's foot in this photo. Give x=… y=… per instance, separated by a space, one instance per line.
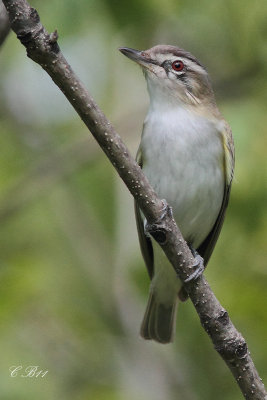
x=198 y=266
x=155 y=229
x=166 y=209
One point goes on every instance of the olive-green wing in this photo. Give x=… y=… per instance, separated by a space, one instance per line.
x=207 y=247
x=144 y=240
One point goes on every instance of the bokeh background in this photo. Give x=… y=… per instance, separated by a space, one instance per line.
x=73 y=283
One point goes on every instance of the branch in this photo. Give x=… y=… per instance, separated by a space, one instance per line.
x=42 y=47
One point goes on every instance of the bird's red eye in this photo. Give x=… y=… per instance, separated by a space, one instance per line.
x=178 y=65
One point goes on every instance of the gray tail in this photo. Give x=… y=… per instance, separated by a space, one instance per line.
x=159 y=320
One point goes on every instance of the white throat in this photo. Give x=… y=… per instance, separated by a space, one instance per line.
x=165 y=93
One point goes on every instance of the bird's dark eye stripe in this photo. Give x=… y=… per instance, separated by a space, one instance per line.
x=166 y=65
x=182 y=77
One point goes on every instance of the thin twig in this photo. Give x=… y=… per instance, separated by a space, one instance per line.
x=42 y=47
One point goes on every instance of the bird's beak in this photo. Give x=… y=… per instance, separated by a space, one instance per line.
x=141 y=57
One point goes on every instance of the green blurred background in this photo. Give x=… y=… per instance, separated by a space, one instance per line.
x=73 y=283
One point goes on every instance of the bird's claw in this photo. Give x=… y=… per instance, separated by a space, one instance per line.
x=166 y=209
x=198 y=266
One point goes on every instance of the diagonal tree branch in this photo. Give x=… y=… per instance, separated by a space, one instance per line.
x=42 y=47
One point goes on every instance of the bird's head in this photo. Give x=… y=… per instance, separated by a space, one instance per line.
x=173 y=74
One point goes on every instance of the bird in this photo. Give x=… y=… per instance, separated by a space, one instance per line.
x=187 y=154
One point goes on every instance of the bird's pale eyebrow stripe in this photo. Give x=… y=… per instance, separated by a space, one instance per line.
x=191 y=65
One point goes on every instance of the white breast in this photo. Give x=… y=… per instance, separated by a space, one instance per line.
x=183 y=159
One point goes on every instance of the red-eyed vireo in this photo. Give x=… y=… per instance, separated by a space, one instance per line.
x=187 y=153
